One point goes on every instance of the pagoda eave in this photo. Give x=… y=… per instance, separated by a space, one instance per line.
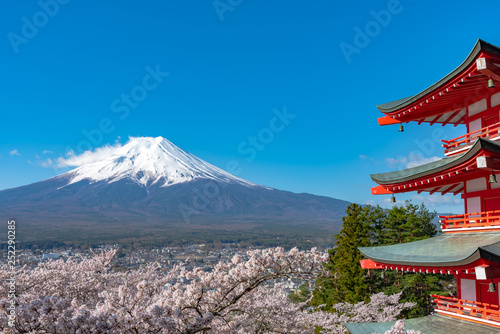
x=388 y=120
x=447 y=175
x=446 y=101
x=439 y=269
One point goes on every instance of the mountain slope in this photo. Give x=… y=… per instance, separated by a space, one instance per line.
x=152 y=184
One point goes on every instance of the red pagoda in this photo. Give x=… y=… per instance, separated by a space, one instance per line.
x=469 y=248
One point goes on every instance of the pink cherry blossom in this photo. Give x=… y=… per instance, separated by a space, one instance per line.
x=238 y=296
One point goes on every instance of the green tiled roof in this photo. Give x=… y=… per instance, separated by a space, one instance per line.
x=404 y=174
x=441 y=251
x=436 y=166
x=392 y=104
x=478 y=47
x=433 y=324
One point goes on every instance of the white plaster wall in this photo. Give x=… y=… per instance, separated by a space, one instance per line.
x=477 y=107
x=495 y=100
x=473 y=204
x=468 y=289
x=475 y=125
x=476 y=185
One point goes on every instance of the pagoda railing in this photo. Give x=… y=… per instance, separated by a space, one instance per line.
x=476 y=221
x=460 y=144
x=475 y=311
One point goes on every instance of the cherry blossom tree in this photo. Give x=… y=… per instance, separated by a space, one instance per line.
x=238 y=296
x=399 y=328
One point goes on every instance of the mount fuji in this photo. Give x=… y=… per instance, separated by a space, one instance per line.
x=149 y=161
x=148 y=187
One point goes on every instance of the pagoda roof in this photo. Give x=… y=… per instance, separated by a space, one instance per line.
x=415 y=172
x=446 y=250
x=455 y=168
x=435 y=324
x=445 y=101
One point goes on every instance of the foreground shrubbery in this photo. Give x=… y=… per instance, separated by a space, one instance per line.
x=85 y=296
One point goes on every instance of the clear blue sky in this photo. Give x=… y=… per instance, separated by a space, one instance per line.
x=230 y=64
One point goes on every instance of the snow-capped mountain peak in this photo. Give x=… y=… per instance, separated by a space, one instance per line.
x=148 y=161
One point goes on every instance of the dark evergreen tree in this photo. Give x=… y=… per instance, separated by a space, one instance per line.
x=370 y=226
x=416 y=288
x=405 y=224
x=347 y=281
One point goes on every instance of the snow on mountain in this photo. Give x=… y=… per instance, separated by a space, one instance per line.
x=149 y=189
x=148 y=161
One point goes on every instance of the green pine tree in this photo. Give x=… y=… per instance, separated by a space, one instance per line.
x=347 y=280
x=405 y=224
x=374 y=226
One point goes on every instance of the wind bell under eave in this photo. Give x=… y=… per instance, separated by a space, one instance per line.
x=493 y=178
x=491 y=83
